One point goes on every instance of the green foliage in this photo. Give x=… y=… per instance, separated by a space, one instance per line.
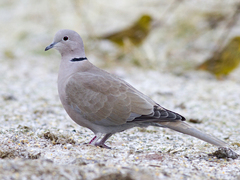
x=224 y=62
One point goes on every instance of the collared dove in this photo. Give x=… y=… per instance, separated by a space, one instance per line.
x=104 y=103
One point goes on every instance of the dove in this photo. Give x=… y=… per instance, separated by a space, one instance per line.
x=106 y=104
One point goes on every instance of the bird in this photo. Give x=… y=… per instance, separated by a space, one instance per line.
x=222 y=63
x=106 y=104
x=136 y=33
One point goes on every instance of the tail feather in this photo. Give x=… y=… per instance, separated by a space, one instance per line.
x=185 y=128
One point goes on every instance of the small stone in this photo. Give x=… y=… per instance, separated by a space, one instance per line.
x=69 y=146
x=224 y=152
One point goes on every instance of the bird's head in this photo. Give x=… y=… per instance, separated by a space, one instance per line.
x=67 y=42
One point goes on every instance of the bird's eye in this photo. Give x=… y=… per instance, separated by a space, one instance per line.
x=65 y=38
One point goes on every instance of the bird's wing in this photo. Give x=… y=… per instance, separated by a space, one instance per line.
x=104 y=97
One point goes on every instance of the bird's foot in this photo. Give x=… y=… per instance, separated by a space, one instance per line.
x=102 y=145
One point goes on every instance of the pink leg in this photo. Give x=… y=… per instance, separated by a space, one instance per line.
x=101 y=143
x=92 y=140
x=95 y=139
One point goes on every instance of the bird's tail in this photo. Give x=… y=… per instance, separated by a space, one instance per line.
x=185 y=128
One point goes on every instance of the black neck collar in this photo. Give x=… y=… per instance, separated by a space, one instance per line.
x=78 y=59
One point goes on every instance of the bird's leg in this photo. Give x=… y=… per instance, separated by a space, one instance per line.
x=101 y=143
x=95 y=139
x=92 y=140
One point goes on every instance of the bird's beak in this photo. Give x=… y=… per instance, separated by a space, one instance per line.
x=50 y=46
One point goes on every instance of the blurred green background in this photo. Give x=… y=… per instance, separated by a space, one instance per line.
x=184 y=33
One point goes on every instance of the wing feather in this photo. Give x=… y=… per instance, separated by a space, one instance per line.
x=105 y=98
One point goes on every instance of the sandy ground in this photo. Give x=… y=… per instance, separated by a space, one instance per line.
x=39 y=141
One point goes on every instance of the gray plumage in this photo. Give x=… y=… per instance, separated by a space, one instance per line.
x=105 y=104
